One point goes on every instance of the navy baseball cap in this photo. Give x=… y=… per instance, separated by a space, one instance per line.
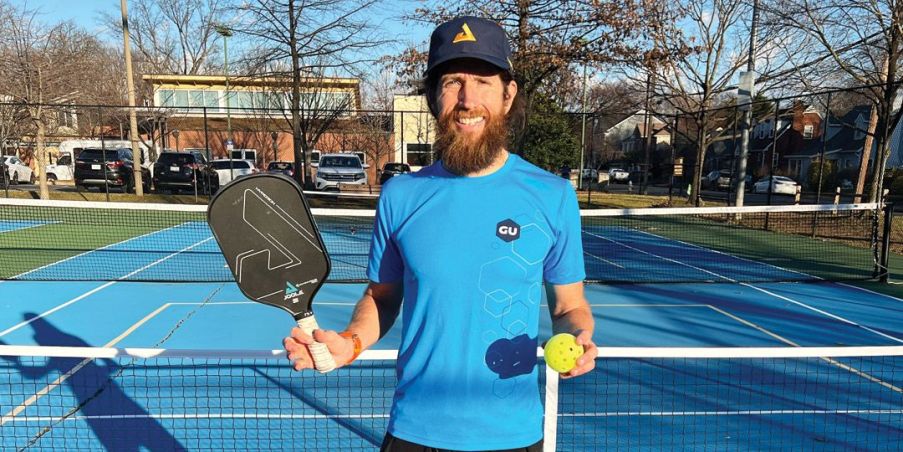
x=469 y=37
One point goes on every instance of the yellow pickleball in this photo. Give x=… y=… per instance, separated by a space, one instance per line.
x=562 y=351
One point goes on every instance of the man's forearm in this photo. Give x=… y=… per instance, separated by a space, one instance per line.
x=574 y=320
x=375 y=313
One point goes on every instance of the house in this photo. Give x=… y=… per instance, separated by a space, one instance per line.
x=842 y=145
x=607 y=142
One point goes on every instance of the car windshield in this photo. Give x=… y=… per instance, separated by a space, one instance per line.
x=172 y=158
x=224 y=164
x=343 y=162
x=279 y=166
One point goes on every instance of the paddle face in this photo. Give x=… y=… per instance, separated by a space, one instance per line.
x=269 y=239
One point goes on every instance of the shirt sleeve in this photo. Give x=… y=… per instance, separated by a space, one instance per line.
x=564 y=263
x=385 y=264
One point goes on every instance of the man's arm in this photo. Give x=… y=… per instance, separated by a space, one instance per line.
x=572 y=314
x=373 y=317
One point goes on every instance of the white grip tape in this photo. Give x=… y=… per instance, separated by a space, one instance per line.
x=323 y=360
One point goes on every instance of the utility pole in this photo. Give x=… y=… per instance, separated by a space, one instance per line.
x=137 y=159
x=582 y=132
x=226 y=33
x=747 y=83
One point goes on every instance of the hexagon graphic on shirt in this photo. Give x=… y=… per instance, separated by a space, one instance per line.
x=504 y=388
x=497 y=303
x=502 y=274
x=515 y=322
x=533 y=245
x=534 y=293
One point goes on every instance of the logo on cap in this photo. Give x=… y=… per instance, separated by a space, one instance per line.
x=464 y=35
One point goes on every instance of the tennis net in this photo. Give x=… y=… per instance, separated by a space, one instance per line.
x=70 y=398
x=65 y=240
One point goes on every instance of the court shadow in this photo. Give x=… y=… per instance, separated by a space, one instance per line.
x=118 y=422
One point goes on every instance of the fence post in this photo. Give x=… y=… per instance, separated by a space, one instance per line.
x=884 y=267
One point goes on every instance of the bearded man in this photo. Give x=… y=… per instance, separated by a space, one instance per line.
x=464 y=248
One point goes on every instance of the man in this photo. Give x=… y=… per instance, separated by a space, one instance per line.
x=468 y=243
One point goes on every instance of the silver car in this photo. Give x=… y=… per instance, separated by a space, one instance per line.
x=226 y=170
x=340 y=168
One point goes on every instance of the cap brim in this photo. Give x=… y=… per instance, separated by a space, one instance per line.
x=495 y=61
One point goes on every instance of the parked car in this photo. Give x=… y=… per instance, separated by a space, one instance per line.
x=340 y=168
x=717 y=180
x=17 y=170
x=618 y=175
x=108 y=167
x=391 y=170
x=229 y=170
x=185 y=171
x=61 y=170
x=287 y=168
x=781 y=186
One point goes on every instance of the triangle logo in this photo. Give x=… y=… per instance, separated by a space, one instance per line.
x=464 y=35
x=290 y=289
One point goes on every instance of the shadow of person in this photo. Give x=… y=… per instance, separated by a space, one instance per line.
x=118 y=422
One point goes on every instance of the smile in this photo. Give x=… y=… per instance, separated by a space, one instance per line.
x=470 y=121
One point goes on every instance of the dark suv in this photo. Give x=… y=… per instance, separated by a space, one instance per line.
x=286 y=168
x=110 y=167
x=393 y=169
x=185 y=171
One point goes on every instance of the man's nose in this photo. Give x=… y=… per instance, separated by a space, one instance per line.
x=467 y=96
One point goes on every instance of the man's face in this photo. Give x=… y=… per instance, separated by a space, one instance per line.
x=473 y=102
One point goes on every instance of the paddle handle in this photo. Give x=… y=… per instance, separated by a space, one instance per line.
x=323 y=360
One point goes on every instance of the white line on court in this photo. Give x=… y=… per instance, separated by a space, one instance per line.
x=870 y=291
x=98 y=289
x=767 y=292
x=603 y=260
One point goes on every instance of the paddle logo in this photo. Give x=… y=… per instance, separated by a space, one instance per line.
x=291 y=291
x=507 y=230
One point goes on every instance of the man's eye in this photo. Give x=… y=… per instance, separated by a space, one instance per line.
x=450 y=83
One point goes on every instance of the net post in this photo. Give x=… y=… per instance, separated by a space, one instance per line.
x=550 y=418
x=885 y=243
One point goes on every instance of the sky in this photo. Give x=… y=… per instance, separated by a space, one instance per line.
x=87 y=14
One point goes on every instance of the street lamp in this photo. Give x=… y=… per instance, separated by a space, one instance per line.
x=175 y=134
x=226 y=33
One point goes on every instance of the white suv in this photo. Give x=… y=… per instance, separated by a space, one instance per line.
x=340 y=168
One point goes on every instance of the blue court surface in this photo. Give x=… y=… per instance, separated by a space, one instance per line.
x=647 y=403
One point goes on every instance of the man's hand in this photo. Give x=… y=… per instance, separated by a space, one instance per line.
x=586 y=362
x=342 y=349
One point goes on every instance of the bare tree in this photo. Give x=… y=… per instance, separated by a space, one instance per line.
x=173 y=36
x=308 y=43
x=852 y=42
x=44 y=68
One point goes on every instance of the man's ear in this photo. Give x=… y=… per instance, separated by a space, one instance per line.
x=510 y=94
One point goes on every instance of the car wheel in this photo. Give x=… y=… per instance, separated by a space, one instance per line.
x=51 y=179
x=14 y=179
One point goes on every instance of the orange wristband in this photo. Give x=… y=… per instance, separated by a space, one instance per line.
x=357 y=345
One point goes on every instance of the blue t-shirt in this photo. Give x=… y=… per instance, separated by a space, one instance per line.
x=473 y=253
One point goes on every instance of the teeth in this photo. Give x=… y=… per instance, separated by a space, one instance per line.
x=470 y=121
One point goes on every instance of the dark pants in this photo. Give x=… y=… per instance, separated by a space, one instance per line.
x=393 y=444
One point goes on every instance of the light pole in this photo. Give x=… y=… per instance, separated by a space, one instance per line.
x=226 y=33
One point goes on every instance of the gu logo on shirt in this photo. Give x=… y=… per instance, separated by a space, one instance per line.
x=508 y=230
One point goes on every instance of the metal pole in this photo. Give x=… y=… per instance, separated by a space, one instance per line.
x=884 y=270
x=225 y=32
x=137 y=176
x=731 y=179
x=824 y=144
x=207 y=150
x=401 y=140
x=647 y=140
x=774 y=150
x=673 y=154
x=748 y=114
x=103 y=157
x=582 y=132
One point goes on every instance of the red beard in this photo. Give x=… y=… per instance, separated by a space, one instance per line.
x=462 y=153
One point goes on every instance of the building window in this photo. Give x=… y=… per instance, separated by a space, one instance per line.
x=419 y=154
x=808 y=131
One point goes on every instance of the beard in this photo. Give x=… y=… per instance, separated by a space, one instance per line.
x=462 y=153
